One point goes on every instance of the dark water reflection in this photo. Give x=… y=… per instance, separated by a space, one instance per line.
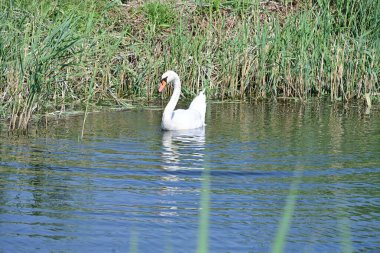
x=127 y=184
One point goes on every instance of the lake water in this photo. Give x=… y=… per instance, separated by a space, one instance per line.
x=305 y=177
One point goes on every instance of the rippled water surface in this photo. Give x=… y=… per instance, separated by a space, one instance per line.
x=305 y=173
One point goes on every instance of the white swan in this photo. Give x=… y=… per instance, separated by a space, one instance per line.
x=180 y=119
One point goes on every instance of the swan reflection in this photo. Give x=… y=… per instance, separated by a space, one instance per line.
x=182 y=154
x=183 y=150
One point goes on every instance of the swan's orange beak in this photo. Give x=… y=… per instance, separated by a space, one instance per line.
x=162 y=86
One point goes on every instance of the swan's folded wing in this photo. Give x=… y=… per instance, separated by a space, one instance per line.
x=184 y=119
x=199 y=104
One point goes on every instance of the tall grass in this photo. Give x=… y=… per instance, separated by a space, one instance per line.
x=49 y=51
x=32 y=59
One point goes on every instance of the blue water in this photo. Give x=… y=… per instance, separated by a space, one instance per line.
x=311 y=168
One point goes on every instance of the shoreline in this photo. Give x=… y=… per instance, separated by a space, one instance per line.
x=42 y=120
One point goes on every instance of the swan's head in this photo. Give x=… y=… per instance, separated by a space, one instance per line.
x=168 y=77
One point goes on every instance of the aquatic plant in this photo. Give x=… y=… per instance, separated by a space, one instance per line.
x=160 y=15
x=50 y=51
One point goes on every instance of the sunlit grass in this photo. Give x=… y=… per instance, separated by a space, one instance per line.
x=234 y=49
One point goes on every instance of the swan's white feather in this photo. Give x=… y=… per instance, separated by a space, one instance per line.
x=199 y=104
x=181 y=119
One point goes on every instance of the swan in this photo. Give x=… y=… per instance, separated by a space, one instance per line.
x=193 y=117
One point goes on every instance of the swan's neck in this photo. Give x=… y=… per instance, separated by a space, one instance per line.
x=168 y=112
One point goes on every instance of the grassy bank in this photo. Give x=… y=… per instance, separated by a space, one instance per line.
x=56 y=55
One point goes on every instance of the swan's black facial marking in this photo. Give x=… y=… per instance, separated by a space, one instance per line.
x=164 y=79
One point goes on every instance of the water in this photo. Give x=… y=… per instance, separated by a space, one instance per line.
x=308 y=174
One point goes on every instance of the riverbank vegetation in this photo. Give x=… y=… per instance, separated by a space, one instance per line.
x=56 y=55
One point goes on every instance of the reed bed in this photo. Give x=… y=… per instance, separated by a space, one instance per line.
x=60 y=55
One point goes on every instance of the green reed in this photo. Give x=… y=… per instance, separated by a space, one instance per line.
x=278 y=244
x=234 y=49
x=204 y=214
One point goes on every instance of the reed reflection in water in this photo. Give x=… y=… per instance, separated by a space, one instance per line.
x=129 y=183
